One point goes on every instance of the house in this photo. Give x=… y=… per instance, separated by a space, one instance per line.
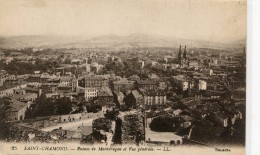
x=22 y=78
x=105 y=95
x=16 y=111
x=34 y=78
x=109 y=106
x=138 y=97
x=49 y=87
x=182 y=82
x=66 y=81
x=63 y=88
x=119 y=97
x=44 y=77
x=176 y=112
x=10 y=91
x=33 y=89
x=147 y=84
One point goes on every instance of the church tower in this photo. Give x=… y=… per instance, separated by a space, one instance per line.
x=185 y=54
x=180 y=56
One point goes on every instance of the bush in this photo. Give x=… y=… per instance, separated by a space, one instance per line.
x=102 y=124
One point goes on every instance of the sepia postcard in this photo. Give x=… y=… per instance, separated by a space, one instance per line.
x=123 y=76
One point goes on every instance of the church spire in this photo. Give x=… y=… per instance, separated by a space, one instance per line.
x=185 y=53
x=180 y=55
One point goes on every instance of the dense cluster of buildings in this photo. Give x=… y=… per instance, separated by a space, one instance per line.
x=201 y=84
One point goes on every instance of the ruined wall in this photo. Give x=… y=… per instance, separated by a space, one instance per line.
x=133 y=131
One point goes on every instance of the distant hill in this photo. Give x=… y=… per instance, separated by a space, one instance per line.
x=115 y=41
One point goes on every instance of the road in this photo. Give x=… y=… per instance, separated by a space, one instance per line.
x=72 y=126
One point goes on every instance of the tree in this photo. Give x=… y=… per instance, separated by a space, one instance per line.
x=118 y=131
x=162 y=124
x=130 y=101
x=46 y=107
x=112 y=115
x=64 y=106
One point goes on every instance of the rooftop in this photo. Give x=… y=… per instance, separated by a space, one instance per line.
x=143 y=82
x=17 y=105
x=123 y=82
x=154 y=93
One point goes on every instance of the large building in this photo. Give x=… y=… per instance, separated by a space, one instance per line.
x=123 y=85
x=154 y=97
x=93 y=82
x=89 y=93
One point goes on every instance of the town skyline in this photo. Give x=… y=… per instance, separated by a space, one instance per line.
x=111 y=41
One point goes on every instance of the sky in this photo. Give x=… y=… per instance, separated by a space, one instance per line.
x=209 y=20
